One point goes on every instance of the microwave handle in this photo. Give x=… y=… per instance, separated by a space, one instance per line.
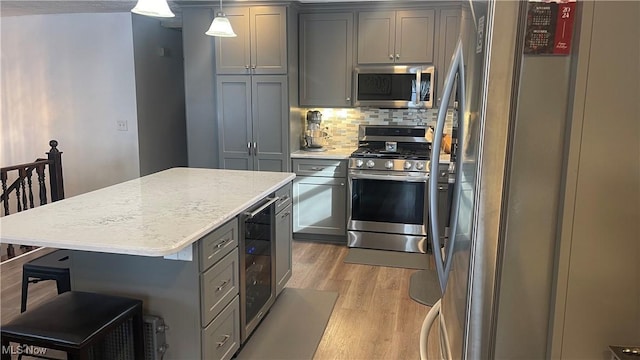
x=443 y=265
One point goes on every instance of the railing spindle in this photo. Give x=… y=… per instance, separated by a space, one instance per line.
x=41 y=184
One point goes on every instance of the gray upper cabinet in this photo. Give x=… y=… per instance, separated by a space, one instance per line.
x=261 y=44
x=326 y=59
x=253 y=122
x=396 y=37
x=449 y=29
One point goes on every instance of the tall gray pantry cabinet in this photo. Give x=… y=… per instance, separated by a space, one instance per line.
x=253 y=108
x=253 y=122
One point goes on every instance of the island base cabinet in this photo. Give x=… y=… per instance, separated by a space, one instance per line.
x=284 y=262
x=221 y=339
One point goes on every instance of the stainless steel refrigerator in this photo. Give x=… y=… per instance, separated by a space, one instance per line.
x=528 y=270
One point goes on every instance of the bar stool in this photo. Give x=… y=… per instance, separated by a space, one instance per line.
x=52 y=266
x=74 y=322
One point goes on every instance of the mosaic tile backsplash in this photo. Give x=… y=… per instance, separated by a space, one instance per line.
x=342 y=123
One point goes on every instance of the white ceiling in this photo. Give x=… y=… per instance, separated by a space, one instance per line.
x=28 y=7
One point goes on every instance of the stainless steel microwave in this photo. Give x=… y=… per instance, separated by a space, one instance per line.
x=394 y=86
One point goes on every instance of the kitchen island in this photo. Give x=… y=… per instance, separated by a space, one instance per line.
x=169 y=239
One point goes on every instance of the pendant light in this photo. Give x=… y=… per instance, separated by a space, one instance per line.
x=220 y=26
x=156 y=8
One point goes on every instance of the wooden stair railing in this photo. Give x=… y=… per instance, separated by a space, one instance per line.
x=22 y=185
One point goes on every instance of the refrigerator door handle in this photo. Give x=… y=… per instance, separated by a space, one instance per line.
x=443 y=265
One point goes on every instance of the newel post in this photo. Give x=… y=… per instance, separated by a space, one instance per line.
x=55 y=172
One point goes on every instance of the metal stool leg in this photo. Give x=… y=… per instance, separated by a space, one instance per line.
x=25 y=290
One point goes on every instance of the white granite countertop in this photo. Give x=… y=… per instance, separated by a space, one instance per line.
x=155 y=215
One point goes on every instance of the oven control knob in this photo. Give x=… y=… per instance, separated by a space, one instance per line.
x=408 y=165
x=359 y=163
x=370 y=163
x=419 y=165
x=389 y=164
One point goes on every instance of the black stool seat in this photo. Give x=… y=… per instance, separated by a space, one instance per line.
x=52 y=266
x=74 y=321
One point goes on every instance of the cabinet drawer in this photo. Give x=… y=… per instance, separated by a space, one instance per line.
x=218 y=243
x=218 y=286
x=320 y=167
x=221 y=339
x=284 y=194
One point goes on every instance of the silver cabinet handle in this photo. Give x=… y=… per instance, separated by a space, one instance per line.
x=390 y=56
x=348 y=99
x=397 y=56
x=255 y=148
x=317 y=168
x=341 y=184
x=224 y=283
x=246 y=67
x=221 y=343
x=253 y=66
x=221 y=243
x=287 y=213
x=258 y=210
x=249 y=147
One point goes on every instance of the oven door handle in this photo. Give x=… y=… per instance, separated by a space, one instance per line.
x=405 y=178
x=272 y=200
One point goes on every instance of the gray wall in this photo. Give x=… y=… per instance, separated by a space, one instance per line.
x=70 y=77
x=598 y=284
x=162 y=138
x=202 y=129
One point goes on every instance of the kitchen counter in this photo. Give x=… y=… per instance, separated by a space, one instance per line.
x=155 y=215
x=330 y=153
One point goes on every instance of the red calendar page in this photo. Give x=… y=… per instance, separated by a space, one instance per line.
x=549 y=28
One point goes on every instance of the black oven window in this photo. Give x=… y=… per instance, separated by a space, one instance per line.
x=386 y=86
x=388 y=201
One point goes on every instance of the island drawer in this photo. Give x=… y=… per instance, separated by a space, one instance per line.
x=221 y=339
x=215 y=245
x=284 y=194
x=320 y=167
x=219 y=285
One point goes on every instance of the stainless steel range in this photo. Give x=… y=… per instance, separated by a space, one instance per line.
x=388 y=176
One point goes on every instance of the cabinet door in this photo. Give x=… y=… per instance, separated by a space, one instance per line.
x=376 y=37
x=268 y=40
x=270 y=115
x=414 y=36
x=233 y=55
x=319 y=205
x=449 y=30
x=234 y=122
x=284 y=261
x=326 y=59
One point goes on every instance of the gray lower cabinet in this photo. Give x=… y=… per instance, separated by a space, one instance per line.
x=326 y=59
x=320 y=197
x=283 y=235
x=219 y=292
x=221 y=338
x=253 y=122
x=284 y=260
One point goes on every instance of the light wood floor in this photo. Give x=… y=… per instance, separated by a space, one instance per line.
x=373 y=318
x=11 y=286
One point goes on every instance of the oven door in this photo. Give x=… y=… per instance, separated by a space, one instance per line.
x=388 y=202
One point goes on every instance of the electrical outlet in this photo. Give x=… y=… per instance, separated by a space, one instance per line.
x=122 y=125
